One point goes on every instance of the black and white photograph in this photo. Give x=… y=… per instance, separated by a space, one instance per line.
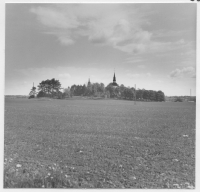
x=100 y=95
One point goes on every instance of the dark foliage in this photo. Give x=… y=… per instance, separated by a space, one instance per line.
x=150 y=95
x=178 y=99
x=31 y=96
x=116 y=91
x=47 y=88
x=41 y=94
x=50 y=87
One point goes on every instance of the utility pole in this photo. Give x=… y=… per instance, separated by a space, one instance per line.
x=135 y=94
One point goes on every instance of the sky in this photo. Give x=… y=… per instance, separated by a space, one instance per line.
x=151 y=45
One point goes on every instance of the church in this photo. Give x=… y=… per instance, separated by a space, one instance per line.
x=114 y=83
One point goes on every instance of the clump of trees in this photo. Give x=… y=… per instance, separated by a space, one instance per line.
x=52 y=88
x=150 y=95
x=48 y=88
x=178 y=99
x=92 y=89
x=120 y=92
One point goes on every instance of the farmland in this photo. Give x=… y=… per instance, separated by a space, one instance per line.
x=98 y=144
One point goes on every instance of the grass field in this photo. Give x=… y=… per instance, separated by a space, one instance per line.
x=98 y=144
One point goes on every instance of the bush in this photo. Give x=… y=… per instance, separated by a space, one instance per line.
x=41 y=94
x=31 y=96
x=178 y=99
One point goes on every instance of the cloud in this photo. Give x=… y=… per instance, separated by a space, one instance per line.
x=139 y=42
x=184 y=72
x=148 y=74
x=65 y=75
x=45 y=72
x=168 y=33
x=134 y=59
x=100 y=40
x=53 y=17
x=65 y=40
x=120 y=26
x=159 y=81
x=137 y=75
x=141 y=66
x=164 y=47
x=111 y=24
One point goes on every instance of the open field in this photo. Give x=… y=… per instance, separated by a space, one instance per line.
x=98 y=144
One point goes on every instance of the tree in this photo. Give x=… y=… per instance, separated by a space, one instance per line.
x=94 y=89
x=111 y=90
x=152 y=95
x=117 y=92
x=139 y=94
x=121 y=91
x=178 y=99
x=101 y=88
x=107 y=94
x=59 y=95
x=78 y=90
x=41 y=94
x=146 y=95
x=160 y=96
x=89 y=90
x=128 y=93
x=42 y=87
x=84 y=89
x=47 y=87
x=72 y=90
x=134 y=92
x=50 y=87
x=32 y=92
x=66 y=93
x=54 y=86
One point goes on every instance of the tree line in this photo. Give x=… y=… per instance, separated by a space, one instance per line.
x=52 y=88
x=120 y=92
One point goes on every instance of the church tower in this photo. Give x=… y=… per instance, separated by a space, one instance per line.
x=114 y=79
x=114 y=83
x=89 y=83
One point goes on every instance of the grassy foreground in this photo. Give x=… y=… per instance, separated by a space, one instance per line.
x=98 y=144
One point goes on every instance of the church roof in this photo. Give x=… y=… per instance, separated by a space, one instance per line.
x=89 y=83
x=114 y=78
x=114 y=84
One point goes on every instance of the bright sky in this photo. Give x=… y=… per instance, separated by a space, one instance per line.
x=150 y=45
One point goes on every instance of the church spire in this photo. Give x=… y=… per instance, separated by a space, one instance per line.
x=89 y=83
x=114 y=78
x=114 y=83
